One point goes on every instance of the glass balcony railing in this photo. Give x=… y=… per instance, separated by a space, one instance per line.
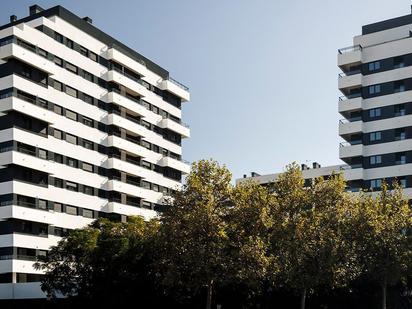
x=349 y=49
x=349 y=96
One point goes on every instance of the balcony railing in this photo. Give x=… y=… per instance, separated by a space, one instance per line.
x=178 y=84
x=350 y=73
x=349 y=49
x=348 y=144
x=350 y=96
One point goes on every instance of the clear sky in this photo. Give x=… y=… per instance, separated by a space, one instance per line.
x=262 y=74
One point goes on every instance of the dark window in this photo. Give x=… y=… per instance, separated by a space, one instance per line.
x=58 y=182
x=87 y=99
x=43 y=154
x=400 y=158
x=146 y=124
x=71 y=139
x=375 y=160
x=399 y=86
x=88 y=121
x=58 y=109
x=43 y=204
x=58 y=158
x=58 y=61
x=58 y=85
x=70 y=67
x=26 y=71
x=375 y=136
x=373 y=66
x=87 y=167
x=83 y=51
x=398 y=62
x=71 y=91
x=72 y=162
x=71 y=115
x=146 y=204
x=57 y=207
x=400 y=134
x=71 y=210
x=87 y=213
x=146 y=144
x=42 y=53
x=69 y=43
x=92 y=56
x=375 y=112
x=87 y=144
x=57 y=134
x=400 y=110
x=146 y=164
x=145 y=184
x=88 y=76
x=88 y=190
x=374 y=89
x=376 y=183
x=71 y=186
x=58 y=37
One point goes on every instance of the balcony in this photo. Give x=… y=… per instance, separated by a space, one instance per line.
x=347 y=104
x=351 y=126
x=349 y=150
x=178 y=127
x=127 y=81
x=352 y=172
x=349 y=80
x=182 y=166
x=349 y=55
x=176 y=88
x=27 y=54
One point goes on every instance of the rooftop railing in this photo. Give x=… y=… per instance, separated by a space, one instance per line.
x=178 y=84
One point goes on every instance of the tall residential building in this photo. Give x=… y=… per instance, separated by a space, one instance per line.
x=376 y=82
x=89 y=128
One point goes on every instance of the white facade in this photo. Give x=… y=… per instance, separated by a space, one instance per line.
x=376 y=83
x=88 y=129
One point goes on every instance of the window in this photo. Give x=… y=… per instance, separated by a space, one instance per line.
x=88 y=76
x=87 y=121
x=71 y=115
x=375 y=112
x=156 y=148
x=399 y=86
x=71 y=139
x=400 y=110
x=42 y=53
x=376 y=183
x=87 y=167
x=71 y=91
x=402 y=182
x=58 y=182
x=375 y=136
x=57 y=207
x=69 y=43
x=71 y=186
x=70 y=67
x=87 y=144
x=87 y=213
x=88 y=190
x=58 y=85
x=373 y=66
x=43 y=154
x=72 y=162
x=145 y=184
x=58 y=37
x=26 y=71
x=375 y=160
x=58 y=61
x=43 y=204
x=83 y=51
x=58 y=158
x=88 y=99
x=400 y=134
x=147 y=165
x=58 y=109
x=155 y=188
x=374 y=89
x=71 y=210
x=146 y=104
x=92 y=56
x=42 y=103
x=155 y=109
x=57 y=134
x=401 y=158
x=146 y=204
x=146 y=124
x=146 y=144
x=398 y=62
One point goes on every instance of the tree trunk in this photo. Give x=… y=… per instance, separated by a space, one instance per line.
x=209 y=295
x=384 y=284
x=303 y=299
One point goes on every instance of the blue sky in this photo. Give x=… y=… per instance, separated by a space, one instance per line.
x=262 y=74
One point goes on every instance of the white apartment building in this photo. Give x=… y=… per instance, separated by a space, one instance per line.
x=376 y=83
x=89 y=128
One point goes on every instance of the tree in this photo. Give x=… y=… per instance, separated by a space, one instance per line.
x=193 y=231
x=249 y=223
x=381 y=229
x=106 y=261
x=306 y=242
